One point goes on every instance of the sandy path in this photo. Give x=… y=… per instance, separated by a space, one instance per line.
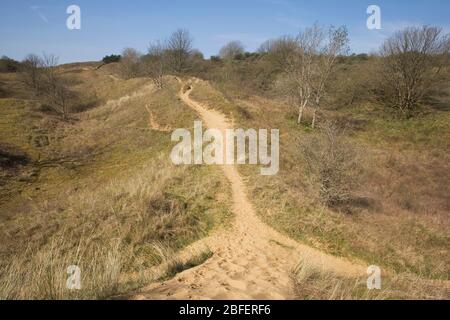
x=251 y=260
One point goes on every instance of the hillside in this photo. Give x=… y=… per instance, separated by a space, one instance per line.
x=98 y=190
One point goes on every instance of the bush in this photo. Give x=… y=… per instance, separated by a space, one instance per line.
x=130 y=63
x=215 y=58
x=8 y=65
x=40 y=75
x=412 y=61
x=333 y=164
x=112 y=58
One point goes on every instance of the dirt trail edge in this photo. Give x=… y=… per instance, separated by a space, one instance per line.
x=250 y=260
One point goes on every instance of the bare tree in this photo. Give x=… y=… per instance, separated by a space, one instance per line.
x=332 y=162
x=300 y=67
x=129 y=63
x=336 y=44
x=156 y=62
x=41 y=77
x=196 y=62
x=231 y=50
x=179 y=48
x=411 y=60
x=310 y=64
x=31 y=74
x=278 y=51
x=54 y=89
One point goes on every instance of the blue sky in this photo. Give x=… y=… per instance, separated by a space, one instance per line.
x=109 y=26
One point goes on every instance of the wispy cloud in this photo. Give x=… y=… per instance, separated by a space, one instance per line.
x=37 y=10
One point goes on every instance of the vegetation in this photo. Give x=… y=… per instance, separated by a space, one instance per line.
x=85 y=178
x=40 y=76
x=332 y=164
x=413 y=58
x=372 y=186
x=8 y=65
x=111 y=58
x=99 y=193
x=310 y=64
x=232 y=50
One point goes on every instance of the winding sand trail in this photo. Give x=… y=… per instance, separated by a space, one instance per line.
x=250 y=260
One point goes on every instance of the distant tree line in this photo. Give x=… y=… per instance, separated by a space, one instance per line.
x=304 y=66
x=174 y=55
x=8 y=65
x=111 y=58
x=314 y=68
x=310 y=69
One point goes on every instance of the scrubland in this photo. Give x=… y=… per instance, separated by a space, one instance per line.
x=100 y=192
x=364 y=170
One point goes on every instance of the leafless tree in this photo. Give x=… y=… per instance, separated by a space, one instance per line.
x=156 y=63
x=54 y=89
x=310 y=65
x=411 y=61
x=31 y=72
x=231 y=50
x=300 y=65
x=278 y=51
x=179 y=48
x=129 y=63
x=332 y=162
x=336 y=44
x=41 y=77
x=196 y=62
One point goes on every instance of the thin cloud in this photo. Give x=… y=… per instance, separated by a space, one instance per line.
x=39 y=13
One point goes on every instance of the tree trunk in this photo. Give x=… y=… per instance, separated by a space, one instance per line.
x=317 y=100
x=300 y=111
x=313 y=124
x=300 y=114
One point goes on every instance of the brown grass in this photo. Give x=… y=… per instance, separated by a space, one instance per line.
x=398 y=216
x=312 y=284
x=105 y=195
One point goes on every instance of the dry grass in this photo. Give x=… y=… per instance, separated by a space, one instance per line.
x=104 y=195
x=313 y=284
x=399 y=210
x=176 y=266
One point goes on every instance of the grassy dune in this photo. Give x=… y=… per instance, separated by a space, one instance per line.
x=398 y=216
x=98 y=191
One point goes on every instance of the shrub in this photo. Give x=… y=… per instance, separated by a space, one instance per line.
x=412 y=59
x=112 y=58
x=8 y=65
x=333 y=164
